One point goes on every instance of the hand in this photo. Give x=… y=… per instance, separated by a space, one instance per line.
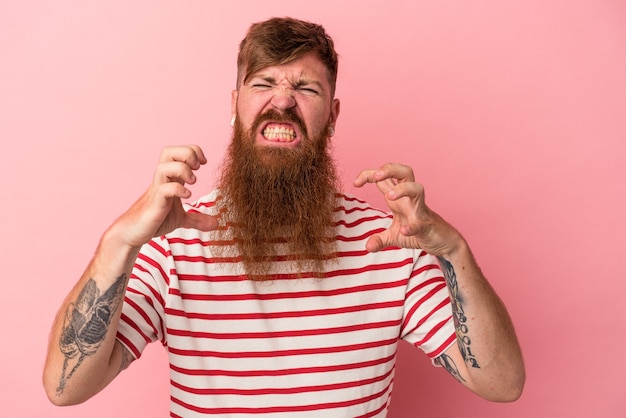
x=414 y=225
x=159 y=210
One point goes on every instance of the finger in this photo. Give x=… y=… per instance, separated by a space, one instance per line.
x=173 y=190
x=389 y=171
x=199 y=153
x=191 y=155
x=385 y=185
x=364 y=177
x=200 y=221
x=374 y=243
x=399 y=172
x=175 y=171
x=417 y=228
x=411 y=190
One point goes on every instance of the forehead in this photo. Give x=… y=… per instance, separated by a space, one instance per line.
x=306 y=68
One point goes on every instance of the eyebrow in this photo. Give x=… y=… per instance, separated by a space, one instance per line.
x=300 y=83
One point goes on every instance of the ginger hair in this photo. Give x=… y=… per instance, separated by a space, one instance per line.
x=279 y=41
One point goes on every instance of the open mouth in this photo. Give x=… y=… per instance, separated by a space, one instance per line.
x=278 y=132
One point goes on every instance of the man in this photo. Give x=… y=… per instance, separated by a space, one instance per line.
x=276 y=293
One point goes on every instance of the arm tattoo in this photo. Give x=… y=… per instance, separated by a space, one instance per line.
x=86 y=324
x=127 y=357
x=446 y=362
x=460 y=320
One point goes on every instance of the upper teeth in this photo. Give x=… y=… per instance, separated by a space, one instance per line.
x=279 y=133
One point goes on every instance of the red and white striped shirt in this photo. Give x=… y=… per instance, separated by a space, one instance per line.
x=301 y=346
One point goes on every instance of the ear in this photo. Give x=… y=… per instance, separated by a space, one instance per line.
x=334 y=111
x=233 y=103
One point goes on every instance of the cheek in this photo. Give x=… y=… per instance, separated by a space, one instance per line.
x=248 y=109
x=318 y=122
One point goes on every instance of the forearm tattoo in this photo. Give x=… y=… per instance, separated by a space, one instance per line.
x=86 y=324
x=460 y=320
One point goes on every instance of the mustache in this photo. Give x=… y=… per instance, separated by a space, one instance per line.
x=288 y=116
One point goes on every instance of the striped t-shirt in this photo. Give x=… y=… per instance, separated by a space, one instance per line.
x=302 y=347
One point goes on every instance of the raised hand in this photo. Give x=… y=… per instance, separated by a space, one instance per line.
x=159 y=210
x=414 y=225
x=480 y=316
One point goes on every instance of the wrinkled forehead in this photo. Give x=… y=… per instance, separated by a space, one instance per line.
x=279 y=41
x=307 y=69
x=253 y=67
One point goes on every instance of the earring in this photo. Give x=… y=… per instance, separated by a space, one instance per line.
x=232 y=121
x=331 y=131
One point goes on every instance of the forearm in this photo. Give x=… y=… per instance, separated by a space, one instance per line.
x=82 y=355
x=493 y=365
x=487 y=357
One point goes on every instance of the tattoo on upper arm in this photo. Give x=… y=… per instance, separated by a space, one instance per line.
x=447 y=363
x=460 y=320
x=86 y=324
x=127 y=357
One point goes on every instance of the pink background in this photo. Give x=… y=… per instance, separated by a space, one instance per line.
x=512 y=113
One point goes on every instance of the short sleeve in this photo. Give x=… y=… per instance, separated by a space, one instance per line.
x=144 y=302
x=427 y=320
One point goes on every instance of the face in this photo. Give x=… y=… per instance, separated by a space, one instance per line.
x=278 y=180
x=299 y=88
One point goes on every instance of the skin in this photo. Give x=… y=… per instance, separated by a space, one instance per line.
x=72 y=380
x=487 y=358
x=301 y=85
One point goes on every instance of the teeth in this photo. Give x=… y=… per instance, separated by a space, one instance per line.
x=279 y=133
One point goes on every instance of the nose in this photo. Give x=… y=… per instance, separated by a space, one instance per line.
x=283 y=98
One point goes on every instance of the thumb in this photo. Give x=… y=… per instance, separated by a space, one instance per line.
x=374 y=243
x=200 y=221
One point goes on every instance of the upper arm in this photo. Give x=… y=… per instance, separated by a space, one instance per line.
x=120 y=359
x=453 y=362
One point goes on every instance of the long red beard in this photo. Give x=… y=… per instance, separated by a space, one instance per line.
x=279 y=203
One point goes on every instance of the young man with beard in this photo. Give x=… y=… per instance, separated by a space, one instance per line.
x=277 y=293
